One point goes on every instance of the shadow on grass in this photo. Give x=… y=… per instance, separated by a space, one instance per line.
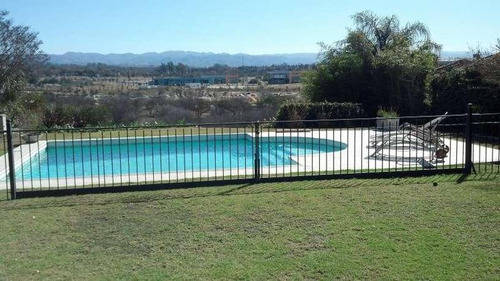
x=241 y=189
x=480 y=172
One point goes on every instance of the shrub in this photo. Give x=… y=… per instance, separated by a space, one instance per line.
x=90 y=116
x=315 y=111
x=57 y=116
x=123 y=109
x=171 y=114
x=198 y=106
x=25 y=111
x=320 y=110
x=387 y=113
x=478 y=83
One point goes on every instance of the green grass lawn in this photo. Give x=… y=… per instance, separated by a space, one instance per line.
x=404 y=229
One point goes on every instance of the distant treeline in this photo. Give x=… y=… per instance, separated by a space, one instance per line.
x=164 y=69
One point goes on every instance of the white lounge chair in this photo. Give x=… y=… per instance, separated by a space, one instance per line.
x=410 y=136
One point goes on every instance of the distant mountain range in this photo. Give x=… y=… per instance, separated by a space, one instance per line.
x=197 y=59
x=194 y=59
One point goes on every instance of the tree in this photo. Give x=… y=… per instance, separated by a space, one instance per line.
x=379 y=34
x=166 y=68
x=379 y=64
x=182 y=69
x=19 y=50
x=477 y=83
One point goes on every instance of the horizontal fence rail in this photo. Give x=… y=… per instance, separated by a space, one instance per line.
x=70 y=161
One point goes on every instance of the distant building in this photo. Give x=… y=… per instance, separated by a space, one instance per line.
x=278 y=77
x=295 y=76
x=232 y=79
x=490 y=60
x=284 y=77
x=447 y=65
x=202 y=80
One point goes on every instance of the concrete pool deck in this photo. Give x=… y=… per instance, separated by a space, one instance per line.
x=354 y=159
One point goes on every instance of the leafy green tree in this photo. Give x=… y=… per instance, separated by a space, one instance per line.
x=477 y=83
x=19 y=51
x=379 y=64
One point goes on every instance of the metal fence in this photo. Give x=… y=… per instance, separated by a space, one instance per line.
x=91 y=160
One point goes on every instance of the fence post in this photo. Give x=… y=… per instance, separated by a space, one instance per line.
x=256 y=166
x=10 y=153
x=468 y=140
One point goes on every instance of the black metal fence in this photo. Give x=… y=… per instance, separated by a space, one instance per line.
x=71 y=161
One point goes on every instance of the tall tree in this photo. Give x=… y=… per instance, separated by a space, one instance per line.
x=383 y=33
x=19 y=50
x=380 y=63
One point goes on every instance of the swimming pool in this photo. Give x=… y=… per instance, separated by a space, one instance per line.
x=102 y=157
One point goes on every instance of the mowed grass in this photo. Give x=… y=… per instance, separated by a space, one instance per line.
x=403 y=229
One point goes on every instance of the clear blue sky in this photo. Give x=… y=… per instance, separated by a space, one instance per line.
x=251 y=26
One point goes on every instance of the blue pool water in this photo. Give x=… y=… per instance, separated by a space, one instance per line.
x=149 y=155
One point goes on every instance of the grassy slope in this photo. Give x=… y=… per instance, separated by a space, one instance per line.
x=347 y=229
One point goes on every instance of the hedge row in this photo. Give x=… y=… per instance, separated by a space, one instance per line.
x=315 y=111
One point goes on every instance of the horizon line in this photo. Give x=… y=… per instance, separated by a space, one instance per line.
x=207 y=52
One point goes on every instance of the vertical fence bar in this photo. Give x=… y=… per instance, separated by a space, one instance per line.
x=245 y=152
x=10 y=151
x=257 y=152
x=5 y=161
x=21 y=154
x=468 y=140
